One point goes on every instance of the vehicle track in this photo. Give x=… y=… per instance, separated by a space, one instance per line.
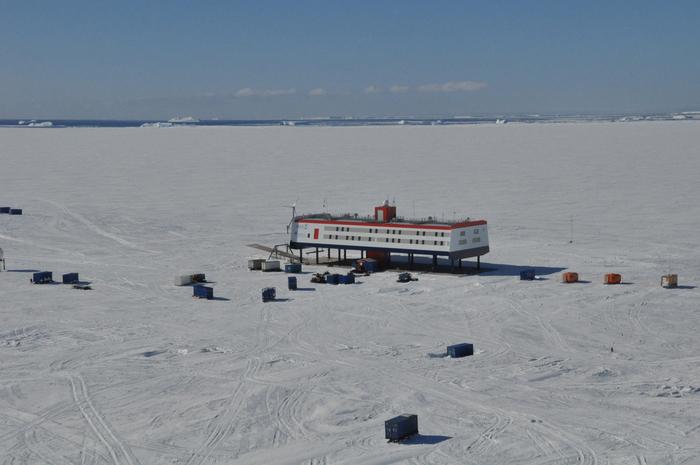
x=118 y=450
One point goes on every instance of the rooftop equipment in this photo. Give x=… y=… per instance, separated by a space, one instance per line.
x=612 y=278
x=70 y=278
x=401 y=427
x=268 y=293
x=669 y=281
x=527 y=275
x=42 y=277
x=292 y=283
x=203 y=292
x=569 y=277
x=271 y=265
x=460 y=350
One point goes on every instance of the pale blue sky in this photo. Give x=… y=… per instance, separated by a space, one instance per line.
x=270 y=59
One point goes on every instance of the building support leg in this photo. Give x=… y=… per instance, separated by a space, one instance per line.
x=459 y=264
x=452 y=264
x=329 y=254
x=478 y=262
x=345 y=255
x=301 y=257
x=434 y=262
x=317 y=255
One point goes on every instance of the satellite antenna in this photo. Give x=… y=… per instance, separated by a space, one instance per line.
x=293 y=206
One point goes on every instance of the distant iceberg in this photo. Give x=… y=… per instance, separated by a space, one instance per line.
x=157 y=125
x=44 y=124
x=501 y=121
x=183 y=120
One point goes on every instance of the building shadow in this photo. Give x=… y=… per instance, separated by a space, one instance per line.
x=425 y=439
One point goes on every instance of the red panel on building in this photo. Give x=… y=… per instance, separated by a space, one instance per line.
x=315 y=233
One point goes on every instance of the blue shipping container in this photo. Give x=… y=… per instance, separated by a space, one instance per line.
x=4 y=209
x=292 y=283
x=42 y=277
x=460 y=350
x=332 y=279
x=292 y=268
x=268 y=293
x=401 y=427
x=203 y=292
x=70 y=278
x=527 y=275
x=346 y=278
x=15 y=211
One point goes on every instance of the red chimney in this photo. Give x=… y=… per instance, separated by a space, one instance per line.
x=385 y=213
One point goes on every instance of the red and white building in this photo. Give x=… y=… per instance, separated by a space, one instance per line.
x=385 y=234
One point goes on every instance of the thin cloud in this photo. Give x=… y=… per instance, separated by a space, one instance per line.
x=453 y=86
x=396 y=89
x=373 y=90
x=250 y=92
x=318 y=92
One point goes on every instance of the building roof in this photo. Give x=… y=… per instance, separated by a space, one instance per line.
x=398 y=222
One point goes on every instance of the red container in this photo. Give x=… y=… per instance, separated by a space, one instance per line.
x=569 y=277
x=612 y=278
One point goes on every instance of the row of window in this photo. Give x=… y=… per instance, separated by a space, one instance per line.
x=463 y=233
x=392 y=240
x=383 y=231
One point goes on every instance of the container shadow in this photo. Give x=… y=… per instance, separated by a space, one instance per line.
x=305 y=289
x=222 y=299
x=426 y=439
x=686 y=287
x=279 y=300
x=580 y=281
x=503 y=269
x=22 y=271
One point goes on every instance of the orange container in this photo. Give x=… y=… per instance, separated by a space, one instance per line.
x=569 y=277
x=612 y=278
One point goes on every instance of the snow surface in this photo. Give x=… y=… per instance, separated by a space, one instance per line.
x=135 y=371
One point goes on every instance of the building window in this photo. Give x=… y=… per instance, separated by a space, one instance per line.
x=423 y=242
x=476 y=239
x=461 y=233
x=476 y=231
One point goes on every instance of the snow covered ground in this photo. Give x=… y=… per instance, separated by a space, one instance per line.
x=137 y=372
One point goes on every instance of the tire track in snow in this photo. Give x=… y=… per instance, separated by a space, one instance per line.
x=96 y=229
x=223 y=423
x=118 y=451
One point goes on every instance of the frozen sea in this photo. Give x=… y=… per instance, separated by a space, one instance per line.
x=135 y=371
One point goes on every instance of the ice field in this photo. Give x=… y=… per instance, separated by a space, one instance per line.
x=136 y=371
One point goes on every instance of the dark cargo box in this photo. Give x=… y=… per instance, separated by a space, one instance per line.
x=460 y=350
x=401 y=427
x=15 y=211
x=292 y=283
x=292 y=268
x=70 y=278
x=42 y=277
x=203 y=292
x=527 y=275
x=268 y=293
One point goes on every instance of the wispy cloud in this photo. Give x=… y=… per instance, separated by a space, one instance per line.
x=250 y=92
x=373 y=90
x=396 y=89
x=453 y=86
x=318 y=92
